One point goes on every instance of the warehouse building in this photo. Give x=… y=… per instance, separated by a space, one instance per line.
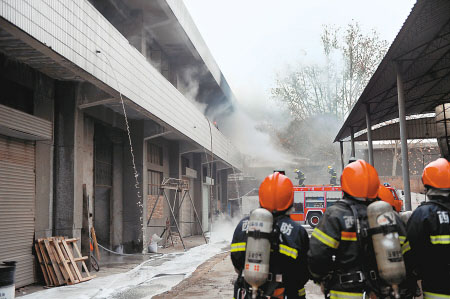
x=69 y=73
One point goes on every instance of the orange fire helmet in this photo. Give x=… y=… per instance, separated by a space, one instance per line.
x=360 y=180
x=276 y=193
x=386 y=195
x=437 y=174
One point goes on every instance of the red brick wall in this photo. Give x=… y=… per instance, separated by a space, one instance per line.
x=159 y=210
x=397 y=182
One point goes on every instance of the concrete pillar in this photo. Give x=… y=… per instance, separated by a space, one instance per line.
x=198 y=188
x=352 y=138
x=117 y=196
x=133 y=205
x=369 y=135
x=403 y=139
x=68 y=171
x=44 y=108
x=224 y=190
x=88 y=181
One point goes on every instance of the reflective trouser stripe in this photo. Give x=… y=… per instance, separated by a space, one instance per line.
x=289 y=251
x=440 y=239
x=324 y=238
x=406 y=247
x=302 y=292
x=238 y=246
x=348 y=236
x=344 y=295
x=402 y=239
x=428 y=295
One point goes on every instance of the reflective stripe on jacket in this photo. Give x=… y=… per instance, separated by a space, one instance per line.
x=289 y=259
x=428 y=232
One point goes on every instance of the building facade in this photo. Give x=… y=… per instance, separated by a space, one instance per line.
x=70 y=71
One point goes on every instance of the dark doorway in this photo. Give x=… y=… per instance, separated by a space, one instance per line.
x=103 y=183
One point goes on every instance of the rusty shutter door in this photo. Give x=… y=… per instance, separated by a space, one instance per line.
x=17 y=200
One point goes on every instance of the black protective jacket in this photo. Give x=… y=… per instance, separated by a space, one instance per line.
x=288 y=257
x=428 y=232
x=340 y=257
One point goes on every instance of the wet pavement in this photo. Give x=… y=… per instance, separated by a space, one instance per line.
x=214 y=279
x=113 y=267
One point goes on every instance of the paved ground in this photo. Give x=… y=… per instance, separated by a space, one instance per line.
x=111 y=264
x=214 y=279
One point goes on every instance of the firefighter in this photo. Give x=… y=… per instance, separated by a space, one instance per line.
x=341 y=256
x=289 y=244
x=386 y=195
x=300 y=177
x=333 y=175
x=428 y=231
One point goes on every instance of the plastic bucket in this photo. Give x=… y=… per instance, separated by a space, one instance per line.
x=7 y=272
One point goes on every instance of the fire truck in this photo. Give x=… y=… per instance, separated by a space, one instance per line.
x=310 y=202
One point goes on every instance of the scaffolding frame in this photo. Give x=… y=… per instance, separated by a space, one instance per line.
x=181 y=188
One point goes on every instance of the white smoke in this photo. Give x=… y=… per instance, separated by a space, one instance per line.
x=247 y=127
x=223 y=228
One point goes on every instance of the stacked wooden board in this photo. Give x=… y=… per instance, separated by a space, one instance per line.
x=58 y=258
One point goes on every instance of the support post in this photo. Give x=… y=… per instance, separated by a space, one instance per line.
x=403 y=139
x=369 y=135
x=341 y=145
x=352 y=136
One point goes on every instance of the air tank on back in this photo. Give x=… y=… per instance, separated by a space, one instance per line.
x=388 y=252
x=257 y=252
x=405 y=216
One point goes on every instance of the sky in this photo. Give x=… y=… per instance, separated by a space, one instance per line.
x=253 y=40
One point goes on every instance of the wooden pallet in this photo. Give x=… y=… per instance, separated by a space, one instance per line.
x=58 y=262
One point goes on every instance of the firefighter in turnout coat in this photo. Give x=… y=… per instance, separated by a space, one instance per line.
x=428 y=232
x=289 y=245
x=341 y=256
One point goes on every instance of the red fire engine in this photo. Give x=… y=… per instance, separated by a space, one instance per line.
x=310 y=202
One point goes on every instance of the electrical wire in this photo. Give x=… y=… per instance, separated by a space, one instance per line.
x=136 y=173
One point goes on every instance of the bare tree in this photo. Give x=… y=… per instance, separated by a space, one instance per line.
x=334 y=87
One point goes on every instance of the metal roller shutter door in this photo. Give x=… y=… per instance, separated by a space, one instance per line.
x=17 y=200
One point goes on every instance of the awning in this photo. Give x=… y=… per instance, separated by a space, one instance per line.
x=419 y=128
x=422 y=51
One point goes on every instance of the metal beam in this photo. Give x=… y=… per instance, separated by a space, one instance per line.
x=213 y=161
x=157 y=135
x=403 y=138
x=97 y=103
x=352 y=138
x=369 y=135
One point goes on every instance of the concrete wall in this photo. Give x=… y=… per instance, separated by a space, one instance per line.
x=43 y=107
x=58 y=26
x=117 y=195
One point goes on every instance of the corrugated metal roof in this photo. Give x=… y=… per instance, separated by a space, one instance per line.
x=420 y=128
x=422 y=50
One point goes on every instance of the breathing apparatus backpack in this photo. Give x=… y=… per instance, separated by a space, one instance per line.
x=263 y=236
x=379 y=235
